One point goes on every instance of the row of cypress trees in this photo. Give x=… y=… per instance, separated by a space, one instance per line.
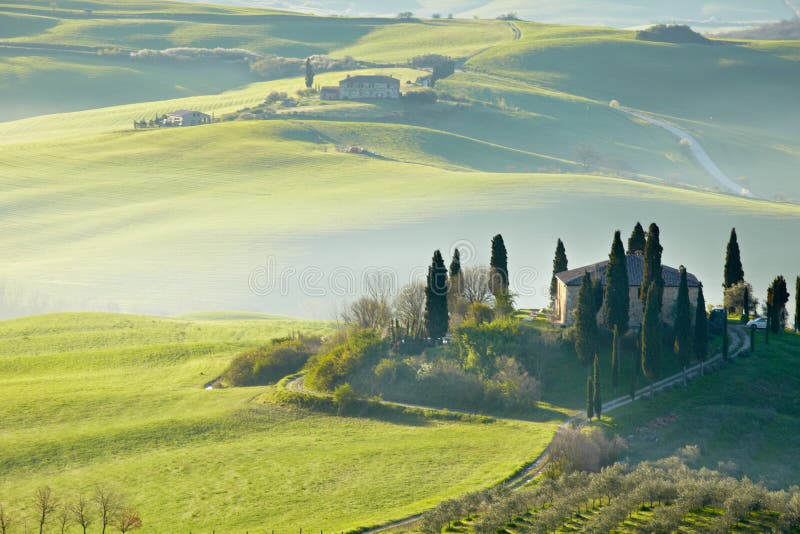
x=690 y=336
x=439 y=284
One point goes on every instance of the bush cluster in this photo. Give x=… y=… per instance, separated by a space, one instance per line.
x=189 y=53
x=678 y=34
x=350 y=359
x=269 y=363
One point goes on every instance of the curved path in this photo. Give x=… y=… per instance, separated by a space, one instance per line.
x=698 y=152
x=740 y=343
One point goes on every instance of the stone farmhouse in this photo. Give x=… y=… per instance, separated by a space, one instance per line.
x=363 y=87
x=569 y=284
x=186 y=117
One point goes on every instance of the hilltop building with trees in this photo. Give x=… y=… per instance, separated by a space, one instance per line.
x=363 y=87
x=568 y=284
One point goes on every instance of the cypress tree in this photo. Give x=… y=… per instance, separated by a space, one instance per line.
x=456 y=287
x=436 y=316
x=652 y=275
x=634 y=373
x=770 y=299
x=733 y=262
x=637 y=240
x=586 y=332
x=780 y=297
x=617 y=290
x=615 y=355
x=683 y=324
x=651 y=335
x=455 y=264
x=700 y=341
x=617 y=299
x=797 y=305
x=309 y=74
x=499 y=266
x=559 y=265
x=597 y=401
x=589 y=398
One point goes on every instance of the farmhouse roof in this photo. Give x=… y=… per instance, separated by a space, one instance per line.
x=635 y=262
x=184 y=112
x=371 y=78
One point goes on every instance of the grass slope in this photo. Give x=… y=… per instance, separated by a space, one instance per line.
x=131 y=203
x=118 y=399
x=740 y=418
x=718 y=91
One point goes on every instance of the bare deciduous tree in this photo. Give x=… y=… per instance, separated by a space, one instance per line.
x=6 y=520
x=107 y=502
x=373 y=310
x=64 y=518
x=44 y=504
x=128 y=519
x=410 y=307
x=81 y=513
x=475 y=284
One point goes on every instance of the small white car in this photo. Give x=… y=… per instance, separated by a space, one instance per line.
x=760 y=323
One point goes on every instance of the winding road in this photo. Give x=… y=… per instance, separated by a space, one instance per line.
x=698 y=152
x=740 y=343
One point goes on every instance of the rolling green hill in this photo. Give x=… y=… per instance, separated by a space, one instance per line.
x=118 y=400
x=522 y=138
x=195 y=212
x=739 y=418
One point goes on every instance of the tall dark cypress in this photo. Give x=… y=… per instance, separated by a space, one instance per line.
x=617 y=290
x=586 y=332
x=637 y=240
x=683 y=324
x=456 y=287
x=700 y=341
x=734 y=273
x=652 y=275
x=651 y=335
x=635 y=365
x=499 y=265
x=617 y=300
x=770 y=305
x=597 y=400
x=559 y=266
x=615 y=358
x=780 y=297
x=455 y=263
x=436 y=316
x=589 y=397
x=309 y=74
x=797 y=305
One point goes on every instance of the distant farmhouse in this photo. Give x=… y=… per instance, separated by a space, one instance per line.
x=569 y=285
x=186 y=117
x=363 y=87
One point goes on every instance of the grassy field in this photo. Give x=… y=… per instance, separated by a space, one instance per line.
x=740 y=418
x=546 y=93
x=119 y=400
x=130 y=202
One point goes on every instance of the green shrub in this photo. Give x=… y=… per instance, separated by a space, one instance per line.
x=267 y=364
x=357 y=353
x=478 y=345
x=345 y=399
